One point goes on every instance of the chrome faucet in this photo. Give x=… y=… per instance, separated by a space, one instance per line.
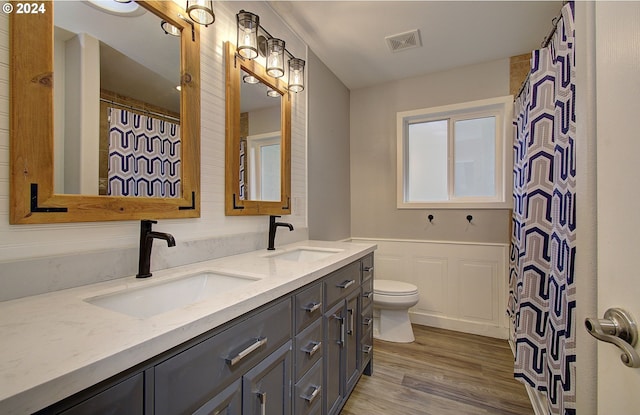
x=146 y=243
x=273 y=225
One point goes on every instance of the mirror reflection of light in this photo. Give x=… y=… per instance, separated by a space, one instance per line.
x=169 y=28
x=250 y=79
x=118 y=8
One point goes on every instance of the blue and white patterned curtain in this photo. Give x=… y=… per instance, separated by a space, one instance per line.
x=144 y=155
x=541 y=274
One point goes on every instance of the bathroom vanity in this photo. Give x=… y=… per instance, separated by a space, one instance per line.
x=295 y=340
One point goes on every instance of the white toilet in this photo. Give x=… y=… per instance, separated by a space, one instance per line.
x=391 y=303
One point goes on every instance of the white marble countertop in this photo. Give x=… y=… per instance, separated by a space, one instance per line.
x=56 y=344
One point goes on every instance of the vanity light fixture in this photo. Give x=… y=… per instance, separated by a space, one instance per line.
x=252 y=43
x=296 y=75
x=248 y=24
x=275 y=57
x=169 y=29
x=273 y=93
x=201 y=11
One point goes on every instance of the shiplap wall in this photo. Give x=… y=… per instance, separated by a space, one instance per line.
x=29 y=241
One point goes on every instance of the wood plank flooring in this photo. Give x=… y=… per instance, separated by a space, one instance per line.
x=442 y=373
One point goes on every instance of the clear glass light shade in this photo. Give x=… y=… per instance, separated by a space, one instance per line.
x=248 y=34
x=201 y=11
x=296 y=75
x=273 y=93
x=275 y=57
x=250 y=79
x=169 y=29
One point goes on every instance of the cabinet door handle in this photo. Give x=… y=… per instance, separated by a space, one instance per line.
x=311 y=307
x=350 y=328
x=368 y=295
x=368 y=269
x=311 y=397
x=258 y=342
x=367 y=349
x=341 y=320
x=262 y=397
x=315 y=346
x=366 y=321
x=346 y=284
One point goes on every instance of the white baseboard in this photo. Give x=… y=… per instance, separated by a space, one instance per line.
x=454 y=324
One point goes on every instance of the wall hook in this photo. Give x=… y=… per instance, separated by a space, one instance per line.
x=469 y=218
x=430 y=217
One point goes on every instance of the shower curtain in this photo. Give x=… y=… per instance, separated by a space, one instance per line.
x=144 y=155
x=542 y=289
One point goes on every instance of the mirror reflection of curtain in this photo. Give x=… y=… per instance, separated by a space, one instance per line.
x=243 y=169
x=144 y=155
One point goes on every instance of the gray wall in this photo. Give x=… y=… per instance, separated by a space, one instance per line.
x=328 y=154
x=373 y=156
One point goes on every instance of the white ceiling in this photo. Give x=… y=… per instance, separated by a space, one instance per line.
x=349 y=36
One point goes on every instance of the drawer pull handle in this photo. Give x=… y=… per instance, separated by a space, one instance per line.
x=262 y=397
x=311 y=307
x=346 y=284
x=368 y=269
x=313 y=349
x=366 y=321
x=259 y=341
x=367 y=349
x=368 y=295
x=310 y=398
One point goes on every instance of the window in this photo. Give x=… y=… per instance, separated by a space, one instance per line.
x=263 y=160
x=455 y=156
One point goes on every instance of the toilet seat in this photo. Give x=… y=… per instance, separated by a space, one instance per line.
x=394 y=288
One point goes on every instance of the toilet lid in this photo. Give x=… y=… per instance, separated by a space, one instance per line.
x=388 y=287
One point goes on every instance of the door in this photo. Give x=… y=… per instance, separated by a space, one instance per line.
x=334 y=343
x=617 y=28
x=266 y=389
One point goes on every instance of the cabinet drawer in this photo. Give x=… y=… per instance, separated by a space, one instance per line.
x=367 y=292
x=308 y=391
x=308 y=348
x=341 y=282
x=366 y=318
x=124 y=398
x=367 y=267
x=188 y=380
x=308 y=306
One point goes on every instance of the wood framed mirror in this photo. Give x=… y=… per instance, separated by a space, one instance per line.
x=258 y=139
x=34 y=193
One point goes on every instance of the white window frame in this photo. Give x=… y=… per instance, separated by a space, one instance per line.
x=254 y=161
x=502 y=109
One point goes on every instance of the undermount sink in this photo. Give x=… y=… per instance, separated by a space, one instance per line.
x=305 y=254
x=158 y=298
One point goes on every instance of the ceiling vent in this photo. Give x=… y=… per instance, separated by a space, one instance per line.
x=404 y=41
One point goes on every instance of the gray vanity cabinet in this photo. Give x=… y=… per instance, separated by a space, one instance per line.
x=126 y=397
x=266 y=389
x=341 y=321
x=227 y=402
x=185 y=382
x=301 y=354
x=308 y=350
x=365 y=351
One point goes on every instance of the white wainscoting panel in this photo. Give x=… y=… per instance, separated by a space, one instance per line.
x=462 y=286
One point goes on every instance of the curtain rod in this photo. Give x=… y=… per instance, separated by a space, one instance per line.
x=544 y=44
x=130 y=107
